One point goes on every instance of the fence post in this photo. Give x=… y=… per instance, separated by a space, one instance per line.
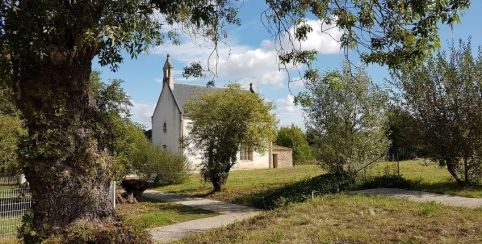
x=114 y=193
x=398 y=164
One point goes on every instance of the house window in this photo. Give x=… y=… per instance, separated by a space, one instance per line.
x=246 y=154
x=164 y=127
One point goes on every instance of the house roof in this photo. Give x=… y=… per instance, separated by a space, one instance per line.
x=184 y=92
x=280 y=148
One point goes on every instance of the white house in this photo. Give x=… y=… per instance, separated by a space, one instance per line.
x=170 y=126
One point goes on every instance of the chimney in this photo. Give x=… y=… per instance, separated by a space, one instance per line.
x=168 y=76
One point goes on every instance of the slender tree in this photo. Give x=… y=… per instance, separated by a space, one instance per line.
x=223 y=122
x=346 y=114
x=445 y=97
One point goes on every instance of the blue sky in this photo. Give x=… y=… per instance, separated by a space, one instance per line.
x=251 y=57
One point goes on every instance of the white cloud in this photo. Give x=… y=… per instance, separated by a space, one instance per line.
x=288 y=113
x=323 y=38
x=258 y=65
x=142 y=112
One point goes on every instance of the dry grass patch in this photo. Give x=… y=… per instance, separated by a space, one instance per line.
x=354 y=219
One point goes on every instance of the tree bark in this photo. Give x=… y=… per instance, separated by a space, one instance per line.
x=451 y=166
x=67 y=171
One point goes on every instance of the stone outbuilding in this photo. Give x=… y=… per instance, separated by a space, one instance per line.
x=281 y=157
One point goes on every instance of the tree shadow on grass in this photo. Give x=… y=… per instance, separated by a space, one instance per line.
x=448 y=186
x=451 y=188
x=157 y=205
x=298 y=191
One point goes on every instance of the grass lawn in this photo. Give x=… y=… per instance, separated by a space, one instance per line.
x=242 y=185
x=150 y=213
x=427 y=176
x=8 y=229
x=354 y=219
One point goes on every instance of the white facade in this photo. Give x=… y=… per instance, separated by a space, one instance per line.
x=169 y=125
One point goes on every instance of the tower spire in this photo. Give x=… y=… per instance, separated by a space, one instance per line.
x=168 y=77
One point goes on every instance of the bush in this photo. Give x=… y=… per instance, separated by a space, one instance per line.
x=112 y=230
x=117 y=232
x=294 y=138
x=133 y=189
x=388 y=181
x=303 y=190
x=168 y=168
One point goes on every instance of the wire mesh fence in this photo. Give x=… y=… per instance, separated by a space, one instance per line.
x=9 y=180
x=14 y=203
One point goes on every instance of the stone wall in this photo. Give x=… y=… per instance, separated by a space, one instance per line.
x=284 y=155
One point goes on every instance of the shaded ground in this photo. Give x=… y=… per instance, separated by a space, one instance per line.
x=250 y=187
x=245 y=185
x=354 y=219
x=230 y=213
x=149 y=213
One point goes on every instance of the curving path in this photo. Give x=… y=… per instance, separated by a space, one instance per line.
x=230 y=213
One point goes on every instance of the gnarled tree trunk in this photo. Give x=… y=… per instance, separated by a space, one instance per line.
x=67 y=170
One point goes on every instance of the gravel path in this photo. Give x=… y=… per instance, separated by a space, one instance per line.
x=420 y=196
x=230 y=213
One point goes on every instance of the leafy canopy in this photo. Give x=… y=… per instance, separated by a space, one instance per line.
x=444 y=97
x=63 y=31
x=223 y=121
x=345 y=115
x=389 y=32
x=11 y=129
x=294 y=138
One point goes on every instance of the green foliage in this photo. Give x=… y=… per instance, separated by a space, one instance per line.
x=105 y=28
x=390 y=32
x=101 y=233
x=152 y=160
x=47 y=48
x=345 y=115
x=127 y=140
x=302 y=190
x=387 y=180
x=403 y=132
x=11 y=129
x=443 y=96
x=224 y=120
x=294 y=138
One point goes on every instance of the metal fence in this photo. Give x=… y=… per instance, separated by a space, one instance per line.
x=9 y=180
x=15 y=202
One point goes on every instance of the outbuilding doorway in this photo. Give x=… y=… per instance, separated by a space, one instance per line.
x=275 y=161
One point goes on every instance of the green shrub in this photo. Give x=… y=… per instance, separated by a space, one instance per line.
x=302 y=190
x=107 y=231
x=388 y=181
x=168 y=168
x=101 y=233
